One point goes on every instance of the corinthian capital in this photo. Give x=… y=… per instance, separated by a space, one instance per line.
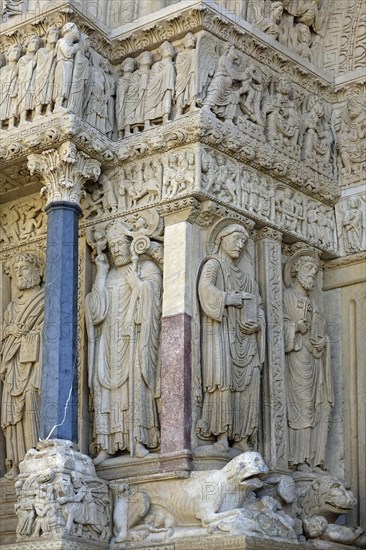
x=64 y=172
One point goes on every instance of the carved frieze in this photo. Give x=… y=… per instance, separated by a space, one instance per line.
x=22 y=221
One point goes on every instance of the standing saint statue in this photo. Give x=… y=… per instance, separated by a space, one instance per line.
x=232 y=345
x=161 y=86
x=309 y=387
x=45 y=72
x=124 y=315
x=66 y=48
x=20 y=365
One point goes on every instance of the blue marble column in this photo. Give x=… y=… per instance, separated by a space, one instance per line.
x=59 y=373
x=64 y=171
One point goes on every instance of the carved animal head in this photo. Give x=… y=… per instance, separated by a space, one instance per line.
x=246 y=469
x=327 y=497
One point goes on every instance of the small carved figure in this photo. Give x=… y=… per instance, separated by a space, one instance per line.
x=233 y=325
x=110 y=200
x=351 y=138
x=21 y=361
x=79 y=508
x=252 y=86
x=80 y=76
x=161 y=86
x=26 y=78
x=283 y=116
x=66 y=48
x=317 y=138
x=136 y=94
x=270 y=24
x=186 y=67
x=9 y=87
x=111 y=88
x=127 y=66
x=45 y=72
x=95 y=102
x=352 y=225
x=303 y=35
x=123 y=315
x=223 y=93
x=308 y=377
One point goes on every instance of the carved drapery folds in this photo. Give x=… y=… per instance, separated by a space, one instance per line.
x=64 y=172
x=123 y=319
x=232 y=345
x=309 y=381
x=351 y=140
x=20 y=358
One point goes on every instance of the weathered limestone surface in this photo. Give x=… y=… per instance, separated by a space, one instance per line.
x=190 y=177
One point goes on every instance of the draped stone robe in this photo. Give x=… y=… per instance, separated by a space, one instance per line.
x=231 y=360
x=124 y=362
x=308 y=381
x=21 y=375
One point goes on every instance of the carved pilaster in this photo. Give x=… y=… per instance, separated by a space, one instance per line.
x=64 y=172
x=274 y=412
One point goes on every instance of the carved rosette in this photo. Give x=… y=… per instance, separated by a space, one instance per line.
x=64 y=172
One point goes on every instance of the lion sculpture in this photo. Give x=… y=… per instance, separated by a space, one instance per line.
x=217 y=500
x=325 y=499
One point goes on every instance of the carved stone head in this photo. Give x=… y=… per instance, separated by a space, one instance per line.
x=27 y=269
x=231 y=241
x=302 y=268
x=71 y=31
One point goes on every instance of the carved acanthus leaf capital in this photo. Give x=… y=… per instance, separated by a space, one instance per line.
x=269 y=233
x=64 y=172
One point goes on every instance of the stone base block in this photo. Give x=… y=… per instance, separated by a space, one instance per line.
x=8 y=520
x=56 y=544
x=231 y=542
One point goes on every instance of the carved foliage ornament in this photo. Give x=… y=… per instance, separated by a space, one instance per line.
x=64 y=172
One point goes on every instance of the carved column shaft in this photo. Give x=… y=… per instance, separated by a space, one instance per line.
x=274 y=405
x=176 y=415
x=64 y=171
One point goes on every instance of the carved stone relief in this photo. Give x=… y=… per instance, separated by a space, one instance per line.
x=233 y=324
x=22 y=221
x=351 y=224
x=123 y=314
x=155 y=514
x=351 y=140
x=260 y=197
x=66 y=498
x=309 y=384
x=21 y=345
x=299 y=25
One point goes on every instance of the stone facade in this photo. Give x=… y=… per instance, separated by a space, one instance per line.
x=182 y=288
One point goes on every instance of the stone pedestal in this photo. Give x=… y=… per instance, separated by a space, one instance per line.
x=61 y=503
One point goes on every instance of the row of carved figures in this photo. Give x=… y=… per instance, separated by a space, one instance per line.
x=228 y=317
x=66 y=73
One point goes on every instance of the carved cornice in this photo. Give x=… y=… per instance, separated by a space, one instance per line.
x=360 y=257
x=269 y=233
x=64 y=172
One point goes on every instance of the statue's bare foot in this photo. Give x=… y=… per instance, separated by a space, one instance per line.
x=242 y=445
x=101 y=457
x=12 y=473
x=222 y=443
x=140 y=451
x=303 y=467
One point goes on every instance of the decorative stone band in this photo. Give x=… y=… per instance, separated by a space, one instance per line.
x=64 y=172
